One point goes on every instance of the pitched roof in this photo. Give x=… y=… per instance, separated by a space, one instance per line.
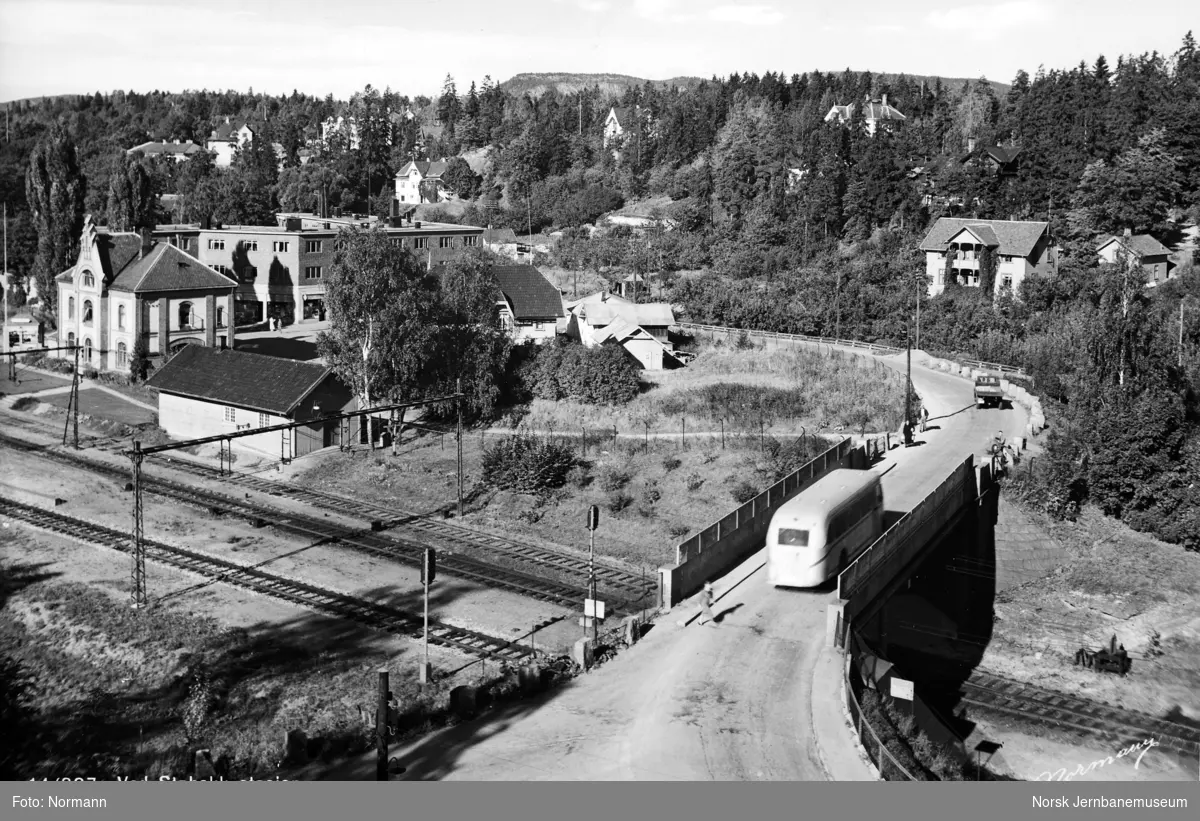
x=623 y=114
x=166 y=268
x=267 y=384
x=645 y=314
x=1014 y=238
x=228 y=129
x=597 y=298
x=186 y=147
x=426 y=168
x=619 y=330
x=116 y=249
x=983 y=233
x=1141 y=245
x=882 y=111
x=528 y=292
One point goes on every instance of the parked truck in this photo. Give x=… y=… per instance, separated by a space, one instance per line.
x=988 y=391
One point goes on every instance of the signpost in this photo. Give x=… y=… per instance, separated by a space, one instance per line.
x=428 y=572
x=590 y=608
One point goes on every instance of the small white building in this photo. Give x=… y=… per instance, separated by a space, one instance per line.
x=876 y=115
x=640 y=327
x=226 y=139
x=410 y=177
x=1139 y=250
x=532 y=308
x=205 y=392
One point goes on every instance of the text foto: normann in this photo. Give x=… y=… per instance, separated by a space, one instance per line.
x=53 y=802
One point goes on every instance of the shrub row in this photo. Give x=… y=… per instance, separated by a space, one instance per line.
x=527 y=464
x=604 y=375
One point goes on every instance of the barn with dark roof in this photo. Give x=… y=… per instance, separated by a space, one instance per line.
x=125 y=287
x=207 y=392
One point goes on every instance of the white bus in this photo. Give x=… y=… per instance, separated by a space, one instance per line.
x=822 y=530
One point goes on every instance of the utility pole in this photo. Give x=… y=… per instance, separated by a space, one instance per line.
x=428 y=571
x=593 y=522
x=6 y=282
x=460 y=447
x=138 y=573
x=908 y=388
x=918 y=342
x=73 y=403
x=381 y=728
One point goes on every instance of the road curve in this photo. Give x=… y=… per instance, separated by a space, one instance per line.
x=698 y=703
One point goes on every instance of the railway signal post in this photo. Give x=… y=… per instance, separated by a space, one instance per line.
x=138 y=571
x=592 y=609
x=428 y=571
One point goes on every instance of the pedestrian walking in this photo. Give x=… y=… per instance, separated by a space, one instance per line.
x=706 y=602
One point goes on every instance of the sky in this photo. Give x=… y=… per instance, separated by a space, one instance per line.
x=337 y=47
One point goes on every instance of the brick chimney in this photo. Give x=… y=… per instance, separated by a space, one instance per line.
x=147 y=242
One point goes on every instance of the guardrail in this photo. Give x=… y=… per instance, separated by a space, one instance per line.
x=901 y=534
x=769 y=498
x=714 y=330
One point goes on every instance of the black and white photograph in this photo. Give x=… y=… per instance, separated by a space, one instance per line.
x=600 y=391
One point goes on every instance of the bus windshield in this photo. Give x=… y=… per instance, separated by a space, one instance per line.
x=795 y=538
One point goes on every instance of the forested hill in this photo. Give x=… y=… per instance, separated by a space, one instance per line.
x=610 y=85
x=614 y=85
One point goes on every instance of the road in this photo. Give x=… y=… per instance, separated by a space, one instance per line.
x=698 y=703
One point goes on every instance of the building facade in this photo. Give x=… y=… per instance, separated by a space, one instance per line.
x=205 y=392
x=280 y=270
x=531 y=308
x=1139 y=251
x=413 y=174
x=177 y=151
x=125 y=287
x=957 y=249
x=876 y=115
x=226 y=139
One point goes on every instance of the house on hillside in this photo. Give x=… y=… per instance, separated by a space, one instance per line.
x=1000 y=160
x=341 y=125
x=531 y=308
x=177 y=150
x=955 y=250
x=227 y=138
x=640 y=327
x=1140 y=251
x=502 y=242
x=125 y=286
x=414 y=174
x=876 y=115
x=206 y=392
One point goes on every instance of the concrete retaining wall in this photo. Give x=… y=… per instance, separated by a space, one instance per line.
x=725 y=544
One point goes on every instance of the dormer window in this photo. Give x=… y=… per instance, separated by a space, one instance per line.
x=89 y=281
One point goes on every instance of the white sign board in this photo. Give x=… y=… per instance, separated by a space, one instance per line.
x=902 y=689
x=593 y=608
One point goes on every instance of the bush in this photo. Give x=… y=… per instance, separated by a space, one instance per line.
x=24 y=403
x=614 y=479
x=671 y=463
x=743 y=492
x=679 y=531
x=601 y=375
x=527 y=464
x=139 y=362
x=694 y=481
x=619 y=500
x=649 y=497
x=736 y=402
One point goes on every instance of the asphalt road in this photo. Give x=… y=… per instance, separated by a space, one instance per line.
x=698 y=703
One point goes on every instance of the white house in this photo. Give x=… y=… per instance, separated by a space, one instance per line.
x=1139 y=250
x=640 y=327
x=876 y=115
x=414 y=172
x=531 y=307
x=227 y=138
x=956 y=248
x=206 y=392
x=348 y=126
x=177 y=150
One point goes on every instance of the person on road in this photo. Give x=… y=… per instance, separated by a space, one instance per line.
x=924 y=419
x=706 y=603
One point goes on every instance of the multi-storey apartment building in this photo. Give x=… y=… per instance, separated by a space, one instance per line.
x=280 y=269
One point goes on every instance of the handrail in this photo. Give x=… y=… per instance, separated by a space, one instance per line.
x=859 y=719
x=848 y=343
x=862 y=568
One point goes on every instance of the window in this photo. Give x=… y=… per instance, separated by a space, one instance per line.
x=122 y=355
x=87 y=312
x=793 y=538
x=70 y=340
x=263 y=420
x=216 y=245
x=89 y=281
x=230 y=415
x=70 y=307
x=312 y=246
x=120 y=317
x=250 y=245
x=397 y=241
x=87 y=349
x=445 y=242
x=312 y=272
x=421 y=242
x=470 y=241
x=280 y=247
x=220 y=317
x=185 y=315
x=184 y=244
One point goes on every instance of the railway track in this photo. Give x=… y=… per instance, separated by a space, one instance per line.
x=390 y=546
x=1015 y=698
x=630 y=587
x=372 y=615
